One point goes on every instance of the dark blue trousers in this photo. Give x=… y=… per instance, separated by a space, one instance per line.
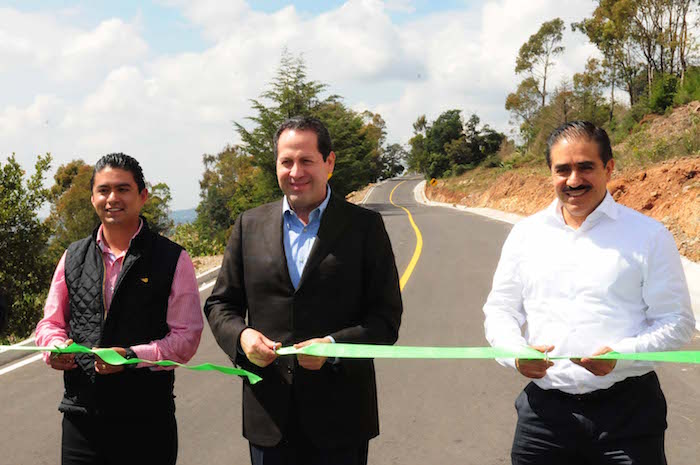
x=622 y=425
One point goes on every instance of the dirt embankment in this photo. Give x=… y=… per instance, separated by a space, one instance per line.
x=668 y=191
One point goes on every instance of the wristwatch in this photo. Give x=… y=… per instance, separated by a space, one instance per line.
x=130 y=354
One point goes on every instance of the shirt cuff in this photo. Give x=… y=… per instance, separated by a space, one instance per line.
x=625 y=346
x=147 y=352
x=334 y=360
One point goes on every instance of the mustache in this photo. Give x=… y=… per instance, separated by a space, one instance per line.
x=576 y=189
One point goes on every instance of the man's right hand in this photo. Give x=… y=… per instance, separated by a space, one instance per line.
x=534 y=369
x=63 y=362
x=259 y=349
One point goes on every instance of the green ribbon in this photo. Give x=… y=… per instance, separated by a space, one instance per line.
x=113 y=358
x=382 y=351
x=372 y=351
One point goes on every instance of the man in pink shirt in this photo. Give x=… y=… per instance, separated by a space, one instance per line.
x=130 y=289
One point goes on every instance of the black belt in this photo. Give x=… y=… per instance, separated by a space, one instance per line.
x=599 y=394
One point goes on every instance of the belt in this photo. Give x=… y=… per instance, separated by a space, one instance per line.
x=599 y=394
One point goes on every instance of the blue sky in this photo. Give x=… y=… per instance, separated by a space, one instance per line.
x=163 y=80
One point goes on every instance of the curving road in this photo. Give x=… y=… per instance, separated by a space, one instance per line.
x=430 y=411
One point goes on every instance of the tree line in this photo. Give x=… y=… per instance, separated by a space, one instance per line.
x=648 y=52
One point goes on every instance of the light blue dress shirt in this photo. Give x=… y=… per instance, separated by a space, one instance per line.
x=299 y=238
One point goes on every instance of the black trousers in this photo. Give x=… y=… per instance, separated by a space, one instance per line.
x=305 y=453
x=622 y=425
x=99 y=440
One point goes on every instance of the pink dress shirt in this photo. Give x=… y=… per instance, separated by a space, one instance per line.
x=184 y=315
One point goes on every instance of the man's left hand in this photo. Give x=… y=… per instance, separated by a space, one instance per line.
x=311 y=362
x=597 y=367
x=105 y=368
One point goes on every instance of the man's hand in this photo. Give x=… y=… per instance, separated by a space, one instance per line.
x=63 y=362
x=105 y=368
x=259 y=349
x=597 y=367
x=311 y=362
x=534 y=369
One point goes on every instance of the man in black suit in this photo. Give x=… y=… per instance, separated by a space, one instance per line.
x=308 y=268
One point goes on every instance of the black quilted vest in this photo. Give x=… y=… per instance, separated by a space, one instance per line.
x=137 y=315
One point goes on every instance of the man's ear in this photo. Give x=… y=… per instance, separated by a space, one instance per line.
x=330 y=160
x=609 y=168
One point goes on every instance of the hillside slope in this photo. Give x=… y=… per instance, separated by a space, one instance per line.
x=667 y=190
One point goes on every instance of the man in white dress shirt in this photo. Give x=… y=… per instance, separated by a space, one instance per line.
x=587 y=276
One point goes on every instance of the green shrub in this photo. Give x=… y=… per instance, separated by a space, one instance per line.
x=438 y=165
x=196 y=242
x=663 y=91
x=690 y=90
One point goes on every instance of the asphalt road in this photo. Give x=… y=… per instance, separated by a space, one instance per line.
x=430 y=411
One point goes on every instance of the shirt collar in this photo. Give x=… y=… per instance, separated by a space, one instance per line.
x=608 y=207
x=316 y=213
x=103 y=245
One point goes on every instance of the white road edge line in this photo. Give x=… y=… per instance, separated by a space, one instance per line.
x=36 y=357
x=20 y=364
x=206 y=286
x=369 y=192
x=211 y=270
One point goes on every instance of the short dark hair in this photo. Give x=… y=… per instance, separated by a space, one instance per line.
x=581 y=130
x=121 y=161
x=307 y=123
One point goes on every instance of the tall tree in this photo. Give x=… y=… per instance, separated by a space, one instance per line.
x=72 y=215
x=156 y=210
x=393 y=159
x=230 y=184
x=290 y=93
x=418 y=155
x=609 y=29
x=536 y=56
x=357 y=142
x=446 y=128
x=523 y=104
x=588 y=89
x=24 y=268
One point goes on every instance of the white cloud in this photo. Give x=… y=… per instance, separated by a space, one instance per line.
x=400 y=6
x=84 y=92
x=111 y=43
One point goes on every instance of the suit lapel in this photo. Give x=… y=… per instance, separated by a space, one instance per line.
x=274 y=242
x=332 y=224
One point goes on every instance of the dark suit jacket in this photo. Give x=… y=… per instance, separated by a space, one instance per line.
x=349 y=289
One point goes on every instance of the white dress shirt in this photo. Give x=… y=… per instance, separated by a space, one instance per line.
x=615 y=281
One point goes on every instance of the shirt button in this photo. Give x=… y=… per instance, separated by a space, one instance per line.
x=304 y=229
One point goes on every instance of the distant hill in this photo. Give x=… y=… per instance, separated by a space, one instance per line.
x=183 y=216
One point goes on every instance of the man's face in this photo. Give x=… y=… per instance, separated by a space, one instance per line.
x=301 y=172
x=579 y=177
x=116 y=197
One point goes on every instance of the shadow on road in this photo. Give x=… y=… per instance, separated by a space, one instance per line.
x=385 y=209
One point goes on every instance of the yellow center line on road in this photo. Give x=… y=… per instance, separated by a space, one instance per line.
x=419 y=241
